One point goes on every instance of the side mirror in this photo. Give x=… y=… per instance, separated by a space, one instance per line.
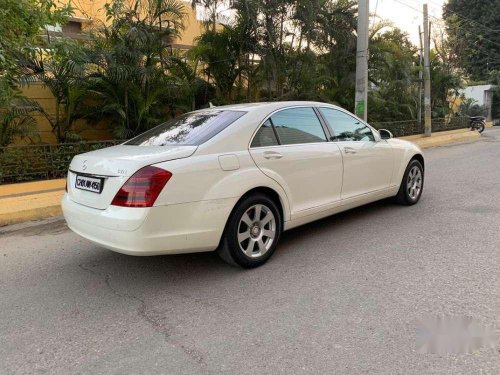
x=385 y=134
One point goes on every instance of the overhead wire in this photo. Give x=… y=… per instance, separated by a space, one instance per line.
x=438 y=20
x=469 y=19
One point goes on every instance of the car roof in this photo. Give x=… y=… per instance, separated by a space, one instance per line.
x=249 y=107
x=237 y=136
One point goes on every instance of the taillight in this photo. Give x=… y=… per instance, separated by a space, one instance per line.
x=142 y=189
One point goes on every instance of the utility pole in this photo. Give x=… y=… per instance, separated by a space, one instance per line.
x=427 y=75
x=361 y=97
x=420 y=78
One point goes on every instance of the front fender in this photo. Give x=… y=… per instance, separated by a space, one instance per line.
x=404 y=152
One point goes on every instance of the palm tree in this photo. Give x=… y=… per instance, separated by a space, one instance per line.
x=16 y=120
x=131 y=58
x=221 y=53
x=212 y=8
x=62 y=70
x=393 y=75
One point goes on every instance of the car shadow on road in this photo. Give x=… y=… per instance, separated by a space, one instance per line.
x=210 y=265
x=346 y=218
x=203 y=278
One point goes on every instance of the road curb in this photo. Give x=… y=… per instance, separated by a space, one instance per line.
x=22 y=202
x=444 y=138
x=30 y=214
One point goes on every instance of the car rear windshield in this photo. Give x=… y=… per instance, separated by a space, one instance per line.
x=191 y=129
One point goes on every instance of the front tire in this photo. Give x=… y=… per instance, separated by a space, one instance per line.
x=412 y=184
x=252 y=232
x=479 y=126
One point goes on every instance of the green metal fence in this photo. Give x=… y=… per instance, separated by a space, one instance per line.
x=39 y=162
x=412 y=127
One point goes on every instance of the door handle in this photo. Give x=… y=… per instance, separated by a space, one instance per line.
x=349 y=150
x=272 y=155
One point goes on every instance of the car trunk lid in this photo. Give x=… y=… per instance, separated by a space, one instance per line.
x=106 y=170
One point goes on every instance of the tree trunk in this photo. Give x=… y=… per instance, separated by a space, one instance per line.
x=58 y=123
x=127 y=117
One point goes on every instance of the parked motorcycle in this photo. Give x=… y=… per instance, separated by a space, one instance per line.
x=477 y=123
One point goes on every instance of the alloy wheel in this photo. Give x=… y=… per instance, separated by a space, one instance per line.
x=256 y=231
x=414 y=183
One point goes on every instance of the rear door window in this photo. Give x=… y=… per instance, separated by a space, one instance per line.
x=298 y=125
x=265 y=136
x=191 y=129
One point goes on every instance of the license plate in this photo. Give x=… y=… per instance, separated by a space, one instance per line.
x=93 y=184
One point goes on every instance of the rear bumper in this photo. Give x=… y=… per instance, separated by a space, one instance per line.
x=173 y=229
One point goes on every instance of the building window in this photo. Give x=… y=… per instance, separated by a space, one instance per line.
x=72 y=27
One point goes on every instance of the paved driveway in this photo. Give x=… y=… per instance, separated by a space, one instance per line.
x=339 y=296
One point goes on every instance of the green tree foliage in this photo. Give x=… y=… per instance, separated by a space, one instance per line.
x=474 y=30
x=445 y=84
x=21 y=23
x=128 y=74
x=61 y=68
x=394 y=77
x=130 y=60
x=495 y=107
x=212 y=9
x=221 y=52
x=337 y=41
x=283 y=50
x=469 y=107
x=16 y=120
x=298 y=49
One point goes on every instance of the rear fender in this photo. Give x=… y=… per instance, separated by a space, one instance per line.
x=201 y=178
x=248 y=179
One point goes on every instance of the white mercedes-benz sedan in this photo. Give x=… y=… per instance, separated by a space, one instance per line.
x=233 y=178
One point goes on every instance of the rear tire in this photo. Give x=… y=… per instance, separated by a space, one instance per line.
x=252 y=232
x=412 y=184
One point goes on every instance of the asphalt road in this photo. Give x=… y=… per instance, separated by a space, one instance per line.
x=342 y=295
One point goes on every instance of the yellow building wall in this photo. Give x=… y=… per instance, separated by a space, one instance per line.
x=455 y=103
x=44 y=97
x=91 y=9
x=94 y=10
x=193 y=28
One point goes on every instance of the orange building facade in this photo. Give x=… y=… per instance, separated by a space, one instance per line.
x=88 y=13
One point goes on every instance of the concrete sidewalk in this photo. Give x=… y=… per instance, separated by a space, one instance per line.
x=30 y=201
x=41 y=199
x=443 y=138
